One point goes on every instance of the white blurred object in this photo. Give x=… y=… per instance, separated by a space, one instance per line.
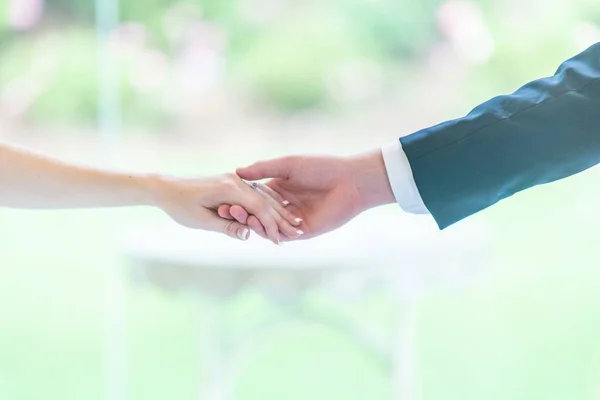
x=261 y=11
x=150 y=72
x=585 y=35
x=463 y=23
x=178 y=20
x=25 y=14
x=17 y=96
x=406 y=251
x=405 y=254
x=109 y=125
x=355 y=81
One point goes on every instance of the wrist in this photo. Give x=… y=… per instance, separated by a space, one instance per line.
x=371 y=179
x=151 y=189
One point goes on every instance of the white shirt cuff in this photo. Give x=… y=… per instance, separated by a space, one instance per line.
x=402 y=180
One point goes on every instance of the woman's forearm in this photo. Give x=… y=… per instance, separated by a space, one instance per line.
x=31 y=180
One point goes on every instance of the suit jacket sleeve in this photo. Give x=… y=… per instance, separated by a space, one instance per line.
x=547 y=130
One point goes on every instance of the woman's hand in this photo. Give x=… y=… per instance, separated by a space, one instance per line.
x=193 y=202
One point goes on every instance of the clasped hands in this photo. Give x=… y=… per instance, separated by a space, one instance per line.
x=309 y=195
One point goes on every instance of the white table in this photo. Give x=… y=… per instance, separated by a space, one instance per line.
x=405 y=254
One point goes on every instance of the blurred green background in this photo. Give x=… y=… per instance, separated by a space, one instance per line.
x=208 y=85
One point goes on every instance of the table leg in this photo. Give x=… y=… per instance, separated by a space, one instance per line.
x=116 y=336
x=218 y=385
x=404 y=352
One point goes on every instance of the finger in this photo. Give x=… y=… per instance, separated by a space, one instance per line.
x=273 y=194
x=270 y=225
x=232 y=229
x=278 y=168
x=234 y=212
x=258 y=203
x=287 y=222
x=224 y=211
x=286 y=229
x=239 y=213
x=289 y=218
x=257 y=227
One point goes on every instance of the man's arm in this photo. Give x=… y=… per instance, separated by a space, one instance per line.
x=545 y=131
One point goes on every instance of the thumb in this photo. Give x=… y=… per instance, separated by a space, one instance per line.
x=277 y=168
x=232 y=229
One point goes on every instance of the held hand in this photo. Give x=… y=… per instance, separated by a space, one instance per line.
x=326 y=192
x=192 y=202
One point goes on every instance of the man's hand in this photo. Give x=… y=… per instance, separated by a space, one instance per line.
x=324 y=191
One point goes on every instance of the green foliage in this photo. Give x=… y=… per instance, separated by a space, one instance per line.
x=3 y=20
x=63 y=69
x=286 y=61
x=70 y=93
x=523 y=51
x=397 y=28
x=289 y=60
x=589 y=11
x=74 y=9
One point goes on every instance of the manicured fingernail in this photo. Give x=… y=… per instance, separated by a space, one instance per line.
x=285 y=203
x=244 y=234
x=299 y=232
x=298 y=220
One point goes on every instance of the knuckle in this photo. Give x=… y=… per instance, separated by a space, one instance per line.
x=288 y=159
x=256 y=206
x=231 y=228
x=278 y=218
x=262 y=206
x=227 y=186
x=272 y=226
x=266 y=216
x=230 y=176
x=231 y=180
x=287 y=214
x=255 y=224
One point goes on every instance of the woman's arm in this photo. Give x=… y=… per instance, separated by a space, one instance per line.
x=29 y=180
x=33 y=181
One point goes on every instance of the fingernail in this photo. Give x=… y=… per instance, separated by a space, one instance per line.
x=244 y=234
x=299 y=232
x=285 y=203
x=298 y=220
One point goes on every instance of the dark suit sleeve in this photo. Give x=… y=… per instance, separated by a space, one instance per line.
x=547 y=130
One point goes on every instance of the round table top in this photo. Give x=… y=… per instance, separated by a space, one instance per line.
x=384 y=237
x=383 y=244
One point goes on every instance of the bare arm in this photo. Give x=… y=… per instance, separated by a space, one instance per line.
x=29 y=180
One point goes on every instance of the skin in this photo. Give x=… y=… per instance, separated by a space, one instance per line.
x=326 y=192
x=29 y=180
